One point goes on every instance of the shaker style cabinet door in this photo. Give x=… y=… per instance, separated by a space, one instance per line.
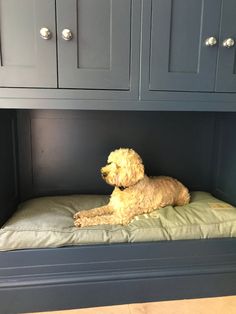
x=27 y=60
x=183 y=44
x=226 y=71
x=94 y=44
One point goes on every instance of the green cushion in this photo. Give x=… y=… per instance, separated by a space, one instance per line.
x=48 y=222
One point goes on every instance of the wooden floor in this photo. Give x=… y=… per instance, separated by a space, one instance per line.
x=225 y=305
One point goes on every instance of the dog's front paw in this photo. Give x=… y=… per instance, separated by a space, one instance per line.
x=77 y=223
x=77 y=215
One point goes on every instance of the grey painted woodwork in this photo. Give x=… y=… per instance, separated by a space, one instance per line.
x=226 y=71
x=26 y=59
x=22 y=98
x=179 y=59
x=190 y=103
x=98 y=55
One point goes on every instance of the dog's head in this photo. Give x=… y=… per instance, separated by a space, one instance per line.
x=124 y=168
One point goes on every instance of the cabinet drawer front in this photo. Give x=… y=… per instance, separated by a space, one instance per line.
x=226 y=72
x=98 y=55
x=179 y=58
x=26 y=59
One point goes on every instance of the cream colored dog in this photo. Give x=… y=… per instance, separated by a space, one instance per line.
x=134 y=192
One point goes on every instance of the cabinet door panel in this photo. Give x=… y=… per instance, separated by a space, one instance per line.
x=26 y=59
x=226 y=72
x=179 y=58
x=98 y=56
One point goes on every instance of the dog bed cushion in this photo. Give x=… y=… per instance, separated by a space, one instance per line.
x=48 y=222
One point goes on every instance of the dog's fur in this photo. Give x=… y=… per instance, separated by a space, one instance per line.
x=134 y=192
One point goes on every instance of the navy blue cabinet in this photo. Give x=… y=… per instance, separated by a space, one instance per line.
x=188 y=45
x=95 y=50
x=75 y=44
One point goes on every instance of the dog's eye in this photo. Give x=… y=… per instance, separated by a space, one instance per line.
x=109 y=163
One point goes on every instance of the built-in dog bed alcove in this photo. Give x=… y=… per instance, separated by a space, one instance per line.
x=47 y=222
x=49 y=153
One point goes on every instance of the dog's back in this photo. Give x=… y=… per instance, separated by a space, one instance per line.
x=150 y=193
x=171 y=190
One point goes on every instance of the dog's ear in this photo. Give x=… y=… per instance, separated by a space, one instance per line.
x=137 y=168
x=134 y=170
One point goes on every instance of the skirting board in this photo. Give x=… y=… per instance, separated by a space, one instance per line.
x=96 y=275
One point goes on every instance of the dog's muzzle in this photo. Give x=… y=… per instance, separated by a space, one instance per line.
x=104 y=173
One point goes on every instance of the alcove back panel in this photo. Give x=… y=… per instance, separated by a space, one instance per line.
x=61 y=152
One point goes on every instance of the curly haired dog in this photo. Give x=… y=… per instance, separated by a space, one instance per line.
x=134 y=192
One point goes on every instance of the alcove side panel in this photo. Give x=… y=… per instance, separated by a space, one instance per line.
x=225 y=158
x=8 y=165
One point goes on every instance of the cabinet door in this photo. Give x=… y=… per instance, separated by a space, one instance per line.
x=179 y=57
x=98 y=55
x=26 y=59
x=226 y=72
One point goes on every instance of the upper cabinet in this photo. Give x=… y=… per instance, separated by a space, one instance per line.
x=69 y=44
x=26 y=59
x=96 y=55
x=161 y=50
x=188 y=45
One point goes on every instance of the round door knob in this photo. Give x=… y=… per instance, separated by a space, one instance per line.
x=67 y=34
x=45 y=33
x=228 y=43
x=211 y=41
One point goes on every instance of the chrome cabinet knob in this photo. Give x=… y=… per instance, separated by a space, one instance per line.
x=45 y=33
x=67 y=34
x=228 y=42
x=211 y=42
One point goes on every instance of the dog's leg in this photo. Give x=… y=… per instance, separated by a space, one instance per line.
x=112 y=219
x=133 y=212
x=99 y=211
x=98 y=220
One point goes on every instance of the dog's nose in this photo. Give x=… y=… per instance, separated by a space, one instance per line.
x=104 y=174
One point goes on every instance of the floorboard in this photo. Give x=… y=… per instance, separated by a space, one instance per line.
x=223 y=305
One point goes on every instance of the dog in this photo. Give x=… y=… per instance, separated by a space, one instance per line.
x=134 y=194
